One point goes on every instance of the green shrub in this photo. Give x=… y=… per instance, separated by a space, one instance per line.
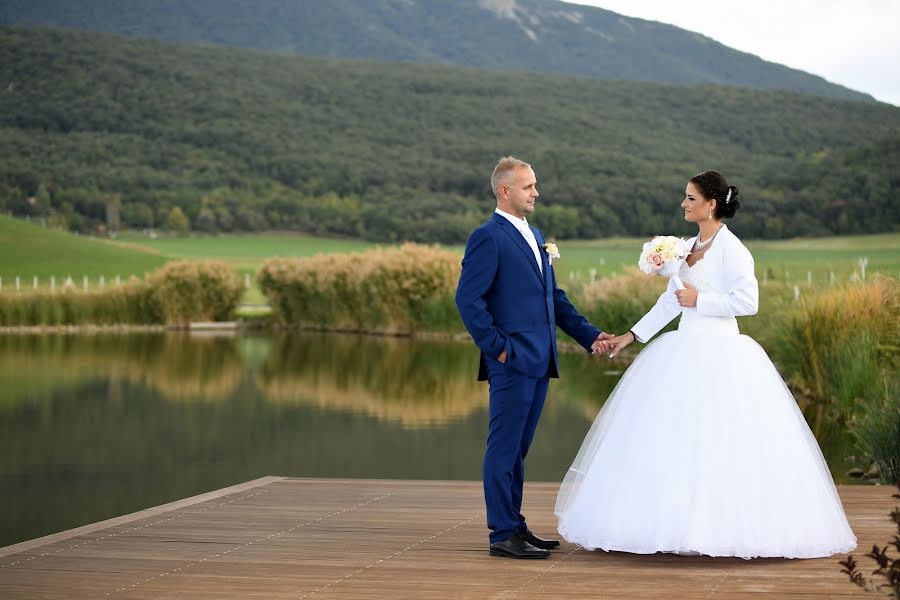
x=876 y=426
x=399 y=289
x=840 y=343
x=196 y=291
x=614 y=304
x=177 y=293
x=132 y=303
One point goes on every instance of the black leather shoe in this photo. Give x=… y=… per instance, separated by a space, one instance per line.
x=517 y=547
x=536 y=541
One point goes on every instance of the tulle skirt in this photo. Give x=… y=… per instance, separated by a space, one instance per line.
x=701 y=447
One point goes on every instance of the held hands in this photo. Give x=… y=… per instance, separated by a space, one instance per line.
x=688 y=296
x=610 y=344
x=601 y=344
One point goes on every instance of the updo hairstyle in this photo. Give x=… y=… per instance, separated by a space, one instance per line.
x=713 y=186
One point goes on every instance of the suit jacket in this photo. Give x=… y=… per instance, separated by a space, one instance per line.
x=729 y=266
x=506 y=303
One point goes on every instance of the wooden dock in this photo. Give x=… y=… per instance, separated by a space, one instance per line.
x=276 y=538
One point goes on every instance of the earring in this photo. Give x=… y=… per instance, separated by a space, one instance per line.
x=709 y=218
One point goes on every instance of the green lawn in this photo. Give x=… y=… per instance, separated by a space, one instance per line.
x=792 y=260
x=27 y=250
x=246 y=251
x=789 y=261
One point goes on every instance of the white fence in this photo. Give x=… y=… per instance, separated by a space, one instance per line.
x=85 y=284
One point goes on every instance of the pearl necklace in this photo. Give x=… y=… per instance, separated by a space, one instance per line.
x=698 y=245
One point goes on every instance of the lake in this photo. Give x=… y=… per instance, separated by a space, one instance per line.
x=94 y=426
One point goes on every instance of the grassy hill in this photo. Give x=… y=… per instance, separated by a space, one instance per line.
x=788 y=261
x=525 y=35
x=28 y=250
x=244 y=141
x=247 y=251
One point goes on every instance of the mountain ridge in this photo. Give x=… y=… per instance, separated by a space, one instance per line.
x=241 y=140
x=525 y=35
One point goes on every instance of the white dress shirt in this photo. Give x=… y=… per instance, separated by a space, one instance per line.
x=527 y=233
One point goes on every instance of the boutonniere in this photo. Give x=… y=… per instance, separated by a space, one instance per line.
x=551 y=250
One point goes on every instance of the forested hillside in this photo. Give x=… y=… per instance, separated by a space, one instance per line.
x=96 y=127
x=527 y=35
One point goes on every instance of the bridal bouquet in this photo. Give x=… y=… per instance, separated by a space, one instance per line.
x=663 y=255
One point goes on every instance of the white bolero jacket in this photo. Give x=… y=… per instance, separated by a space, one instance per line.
x=729 y=267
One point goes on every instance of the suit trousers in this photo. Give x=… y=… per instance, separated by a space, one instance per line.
x=516 y=402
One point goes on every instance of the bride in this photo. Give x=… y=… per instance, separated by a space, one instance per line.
x=701 y=449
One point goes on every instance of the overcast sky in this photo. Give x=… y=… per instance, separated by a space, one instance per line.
x=855 y=43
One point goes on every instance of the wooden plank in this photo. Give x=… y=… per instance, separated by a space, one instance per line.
x=320 y=538
x=101 y=525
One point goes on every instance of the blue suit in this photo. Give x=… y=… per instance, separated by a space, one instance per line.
x=507 y=304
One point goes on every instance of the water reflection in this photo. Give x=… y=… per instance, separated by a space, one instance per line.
x=94 y=426
x=181 y=367
x=415 y=384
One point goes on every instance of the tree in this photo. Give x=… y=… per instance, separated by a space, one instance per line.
x=403 y=152
x=206 y=220
x=113 y=219
x=176 y=220
x=40 y=202
x=137 y=214
x=224 y=218
x=249 y=220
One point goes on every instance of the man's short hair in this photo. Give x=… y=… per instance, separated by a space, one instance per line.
x=504 y=172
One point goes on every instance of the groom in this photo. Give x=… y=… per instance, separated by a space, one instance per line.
x=508 y=299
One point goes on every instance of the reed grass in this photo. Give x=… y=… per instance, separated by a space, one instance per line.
x=614 y=304
x=876 y=427
x=841 y=346
x=841 y=342
x=196 y=291
x=175 y=294
x=401 y=289
x=133 y=303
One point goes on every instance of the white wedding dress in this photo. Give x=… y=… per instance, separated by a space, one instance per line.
x=702 y=448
